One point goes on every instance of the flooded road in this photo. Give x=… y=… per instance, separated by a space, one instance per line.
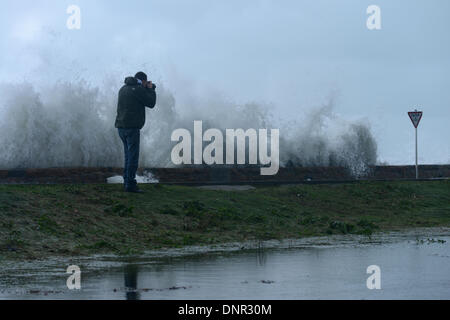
x=413 y=265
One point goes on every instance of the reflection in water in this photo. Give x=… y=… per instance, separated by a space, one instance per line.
x=130 y=276
x=411 y=269
x=261 y=256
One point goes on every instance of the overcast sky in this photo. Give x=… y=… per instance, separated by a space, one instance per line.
x=294 y=54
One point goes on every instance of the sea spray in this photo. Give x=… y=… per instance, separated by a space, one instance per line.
x=69 y=124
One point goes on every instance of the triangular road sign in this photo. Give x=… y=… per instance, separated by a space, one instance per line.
x=415 y=117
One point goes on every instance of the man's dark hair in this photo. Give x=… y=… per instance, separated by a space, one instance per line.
x=141 y=76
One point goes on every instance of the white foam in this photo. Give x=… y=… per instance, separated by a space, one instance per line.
x=71 y=124
x=146 y=178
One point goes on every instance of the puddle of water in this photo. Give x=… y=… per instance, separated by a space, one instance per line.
x=414 y=265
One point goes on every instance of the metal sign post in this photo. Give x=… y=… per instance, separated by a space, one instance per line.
x=415 y=117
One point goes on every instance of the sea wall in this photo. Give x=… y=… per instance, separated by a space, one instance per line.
x=222 y=175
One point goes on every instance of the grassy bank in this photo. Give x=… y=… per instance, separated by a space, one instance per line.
x=41 y=220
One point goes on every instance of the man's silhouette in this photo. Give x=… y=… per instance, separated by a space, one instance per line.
x=134 y=96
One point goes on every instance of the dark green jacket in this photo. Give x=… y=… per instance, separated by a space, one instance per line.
x=133 y=98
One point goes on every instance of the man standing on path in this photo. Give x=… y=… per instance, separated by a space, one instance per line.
x=134 y=96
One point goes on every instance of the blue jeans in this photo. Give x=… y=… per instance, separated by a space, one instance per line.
x=131 y=140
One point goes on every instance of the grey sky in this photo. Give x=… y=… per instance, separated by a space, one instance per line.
x=294 y=54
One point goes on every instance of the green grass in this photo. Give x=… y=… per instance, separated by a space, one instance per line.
x=41 y=220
